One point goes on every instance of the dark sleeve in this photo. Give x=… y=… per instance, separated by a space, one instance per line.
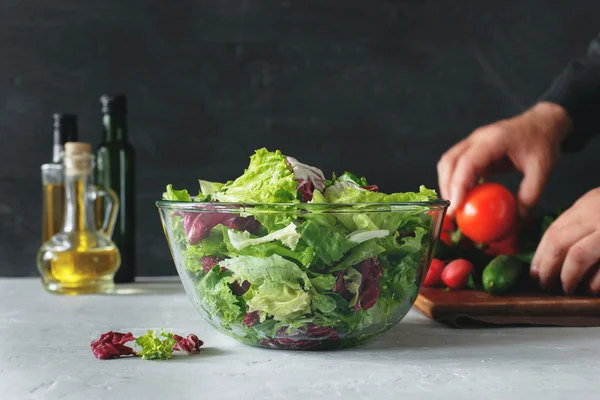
x=577 y=90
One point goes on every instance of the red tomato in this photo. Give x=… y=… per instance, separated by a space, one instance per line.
x=488 y=213
x=447 y=227
x=456 y=274
x=434 y=274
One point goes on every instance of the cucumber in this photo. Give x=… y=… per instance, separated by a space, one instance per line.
x=503 y=275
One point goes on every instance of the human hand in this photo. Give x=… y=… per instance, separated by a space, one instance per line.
x=529 y=142
x=570 y=248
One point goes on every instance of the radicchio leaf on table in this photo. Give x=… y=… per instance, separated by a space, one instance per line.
x=188 y=345
x=112 y=345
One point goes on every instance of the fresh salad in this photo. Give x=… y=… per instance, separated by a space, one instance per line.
x=294 y=267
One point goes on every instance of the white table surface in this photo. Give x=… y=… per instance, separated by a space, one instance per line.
x=45 y=354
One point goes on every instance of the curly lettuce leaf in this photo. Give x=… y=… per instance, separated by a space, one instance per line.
x=268 y=179
x=282 y=301
x=153 y=348
x=350 y=192
x=213 y=245
x=215 y=292
x=176 y=195
x=406 y=245
x=209 y=188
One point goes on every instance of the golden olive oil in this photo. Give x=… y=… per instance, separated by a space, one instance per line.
x=53 y=209
x=77 y=266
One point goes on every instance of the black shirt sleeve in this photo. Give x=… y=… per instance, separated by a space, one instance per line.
x=577 y=90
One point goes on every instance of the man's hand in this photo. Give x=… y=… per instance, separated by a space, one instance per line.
x=529 y=142
x=570 y=248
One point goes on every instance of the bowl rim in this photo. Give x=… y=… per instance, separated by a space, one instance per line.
x=437 y=204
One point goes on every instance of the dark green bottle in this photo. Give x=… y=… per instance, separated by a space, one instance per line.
x=115 y=169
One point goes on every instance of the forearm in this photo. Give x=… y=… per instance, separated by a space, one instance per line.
x=577 y=91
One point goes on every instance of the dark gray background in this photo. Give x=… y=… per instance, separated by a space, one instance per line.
x=381 y=88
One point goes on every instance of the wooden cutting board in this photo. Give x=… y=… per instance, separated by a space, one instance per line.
x=470 y=308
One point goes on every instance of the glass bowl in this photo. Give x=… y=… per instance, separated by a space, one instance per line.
x=327 y=276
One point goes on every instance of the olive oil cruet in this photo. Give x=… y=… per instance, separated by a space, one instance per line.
x=80 y=259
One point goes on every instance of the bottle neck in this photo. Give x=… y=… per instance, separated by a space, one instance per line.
x=79 y=213
x=58 y=151
x=79 y=210
x=115 y=128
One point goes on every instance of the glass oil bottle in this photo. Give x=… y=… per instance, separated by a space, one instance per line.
x=81 y=259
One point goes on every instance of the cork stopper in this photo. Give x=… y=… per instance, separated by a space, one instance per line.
x=77 y=147
x=78 y=159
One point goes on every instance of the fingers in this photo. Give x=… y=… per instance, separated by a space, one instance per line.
x=446 y=165
x=594 y=284
x=532 y=185
x=473 y=163
x=581 y=257
x=554 y=246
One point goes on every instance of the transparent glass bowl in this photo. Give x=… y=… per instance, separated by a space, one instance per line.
x=332 y=276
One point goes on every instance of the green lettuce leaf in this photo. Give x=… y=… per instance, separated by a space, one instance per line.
x=176 y=195
x=327 y=242
x=323 y=283
x=209 y=188
x=349 y=192
x=368 y=249
x=283 y=301
x=153 y=348
x=400 y=275
x=268 y=179
x=349 y=176
x=407 y=245
x=274 y=221
x=279 y=287
x=325 y=304
x=213 y=245
x=216 y=294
